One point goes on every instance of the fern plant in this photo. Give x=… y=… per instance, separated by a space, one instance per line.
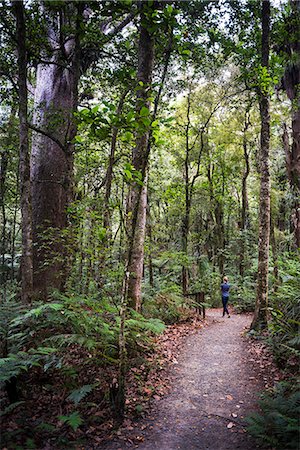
x=278 y=423
x=74 y=420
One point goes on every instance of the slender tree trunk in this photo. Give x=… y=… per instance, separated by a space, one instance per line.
x=138 y=197
x=220 y=235
x=274 y=254
x=52 y=155
x=138 y=194
x=109 y=173
x=137 y=256
x=26 y=261
x=14 y=226
x=149 y=228
x=290 y=82
x=293 y=173
x=245 y=205
x=130 y=297
x=260 y=319
x=4 y=160
x=186 y=218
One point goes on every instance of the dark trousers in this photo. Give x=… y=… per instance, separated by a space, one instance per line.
x=225 y=309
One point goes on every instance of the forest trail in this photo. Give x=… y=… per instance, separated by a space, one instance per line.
x=215 y=386
x=213 y=380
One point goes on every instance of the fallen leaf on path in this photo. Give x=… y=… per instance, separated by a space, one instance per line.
x=147 y=391
x=229 y=397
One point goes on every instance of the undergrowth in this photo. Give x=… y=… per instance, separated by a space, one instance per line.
x=278 y=423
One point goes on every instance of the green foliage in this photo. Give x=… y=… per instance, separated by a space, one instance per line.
x=278 y=424
x=78 y=394
x=74 y=420
x=11 y=408
x=285 y=312
x=18 y=362
x=138 y=323
x=165 y=305
x=242 y=294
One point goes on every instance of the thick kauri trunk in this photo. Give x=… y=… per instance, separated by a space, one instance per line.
x=260 y=314
x=24 y=167
x=52 y=163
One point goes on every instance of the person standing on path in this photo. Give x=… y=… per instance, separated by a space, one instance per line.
x=225 y=286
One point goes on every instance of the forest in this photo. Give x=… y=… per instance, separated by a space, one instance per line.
x=148 y=149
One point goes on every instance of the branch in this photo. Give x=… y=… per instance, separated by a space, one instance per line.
x=48 y=135
x=91 y=54
x=121 y=25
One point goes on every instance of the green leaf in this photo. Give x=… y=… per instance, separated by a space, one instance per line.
x=144 y=112
x=10 y=408
x=95 y=109
x=74 y=420
x=78 y=394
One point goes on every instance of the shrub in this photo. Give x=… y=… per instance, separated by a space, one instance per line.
x=278 y=423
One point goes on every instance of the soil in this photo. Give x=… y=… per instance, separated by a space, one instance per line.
x=215 y=385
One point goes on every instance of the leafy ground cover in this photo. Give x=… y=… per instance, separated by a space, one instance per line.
x=70 y=407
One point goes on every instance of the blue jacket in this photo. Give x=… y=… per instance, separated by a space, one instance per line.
x=225 y=289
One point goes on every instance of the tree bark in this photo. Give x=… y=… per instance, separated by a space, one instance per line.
x=149 y=228
x=260 y=319
x=291 y=155
x=138 y=195
x=291 y=83
x=109 y=173
x=245 y=205
x=52 y=153
x=274 y=254
x=24 y=165
x=4 y=161
x=137 y=255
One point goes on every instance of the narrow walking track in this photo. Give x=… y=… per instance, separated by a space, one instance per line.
x=215 y=387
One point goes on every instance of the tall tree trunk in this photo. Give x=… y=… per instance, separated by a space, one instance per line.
x=109 y=173
x=138 y=194
x=149 y=228
x=130 y=297
x=291 y=84
x=4 y=160
x=137 y=256
x=292 y=153
x=220 y=235
x=138 y=197
x=14 y=227
x=245 y=205
x=274 y=253
x=186 y=218
x=260 y=319
x=52 y=153
x=24 y=166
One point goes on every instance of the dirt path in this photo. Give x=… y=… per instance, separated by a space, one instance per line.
x=215 y=386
